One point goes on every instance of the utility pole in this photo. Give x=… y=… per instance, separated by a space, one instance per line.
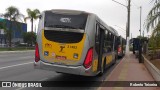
x=129 y=2
x=140 y=19
x=128 y=26
x=128 y=23
x=140 y=43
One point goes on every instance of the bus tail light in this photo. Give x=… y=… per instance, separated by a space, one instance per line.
x=37 y=57
x=89 y=58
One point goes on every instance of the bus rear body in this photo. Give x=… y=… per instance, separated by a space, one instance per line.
x=66 y=43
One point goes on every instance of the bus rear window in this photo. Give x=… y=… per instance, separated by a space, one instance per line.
x=65 y=20
x=62 y=36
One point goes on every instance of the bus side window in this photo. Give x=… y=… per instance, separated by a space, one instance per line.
x=97 y=36
x=112 y=41
x=117 y=43
x=107 y=42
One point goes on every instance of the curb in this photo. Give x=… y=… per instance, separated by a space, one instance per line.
x=155 y=72
x=17 y=51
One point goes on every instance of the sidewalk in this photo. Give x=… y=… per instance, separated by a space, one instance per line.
x=129 y=69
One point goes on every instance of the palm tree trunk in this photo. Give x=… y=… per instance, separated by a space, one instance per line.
x=32 y=25
x=10 y=40
x=10 y=35
x=32 y=31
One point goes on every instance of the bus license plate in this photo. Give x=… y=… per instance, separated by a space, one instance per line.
x=61 y=57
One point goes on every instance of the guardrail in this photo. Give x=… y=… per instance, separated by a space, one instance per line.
x=152 y=69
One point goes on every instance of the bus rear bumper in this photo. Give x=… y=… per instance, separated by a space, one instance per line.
x=77 y=70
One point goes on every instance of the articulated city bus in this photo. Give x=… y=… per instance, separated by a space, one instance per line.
x=74 y=42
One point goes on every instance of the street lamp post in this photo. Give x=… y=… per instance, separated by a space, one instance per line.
x=128 y=27
x=140 y=20
x=128 y=24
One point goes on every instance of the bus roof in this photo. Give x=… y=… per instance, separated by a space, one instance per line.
x=76 y=12
x=67 y=11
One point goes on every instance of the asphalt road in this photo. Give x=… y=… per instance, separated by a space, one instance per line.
x=18 y=66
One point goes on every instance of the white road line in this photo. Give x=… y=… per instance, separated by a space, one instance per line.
x=43 y=79
x=15 y=65
x=19 y=88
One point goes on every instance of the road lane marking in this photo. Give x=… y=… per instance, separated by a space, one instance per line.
x=44 y=79
x=20 y=88
x=15 y=65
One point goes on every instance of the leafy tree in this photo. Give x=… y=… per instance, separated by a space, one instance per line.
x=153 y=22
x=155 y=37
x=2 y=25
x=143 y=38
x=32 y=15
x=29 y=37
x=12 y=14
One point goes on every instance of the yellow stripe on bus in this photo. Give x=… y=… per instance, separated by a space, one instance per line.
x=95 y=65
x=108 y=59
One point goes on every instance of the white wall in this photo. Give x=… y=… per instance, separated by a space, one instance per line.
x=1 y=31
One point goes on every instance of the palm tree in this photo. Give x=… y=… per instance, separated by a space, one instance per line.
x=153 y=16
x=153 y=22
x=12 y=14
x=32 y=15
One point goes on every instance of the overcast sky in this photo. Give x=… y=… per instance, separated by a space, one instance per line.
x=110 y=12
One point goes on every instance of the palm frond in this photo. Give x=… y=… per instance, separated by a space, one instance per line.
x=153 y=16
x=26 y=18
x=151 y=21
x=32 y=15
x=36 y=11
x=156 y=30
x=29 y=12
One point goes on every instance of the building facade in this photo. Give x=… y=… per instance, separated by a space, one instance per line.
x=17 y=30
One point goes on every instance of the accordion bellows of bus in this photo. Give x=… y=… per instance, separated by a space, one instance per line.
x=74 y=42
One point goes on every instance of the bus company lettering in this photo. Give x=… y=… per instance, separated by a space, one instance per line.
x=65 y=20
x=47 y=45
x=74 y=47
x=14 y=84
x=61 y=48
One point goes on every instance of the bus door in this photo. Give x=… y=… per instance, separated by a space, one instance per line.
x=99 y=46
